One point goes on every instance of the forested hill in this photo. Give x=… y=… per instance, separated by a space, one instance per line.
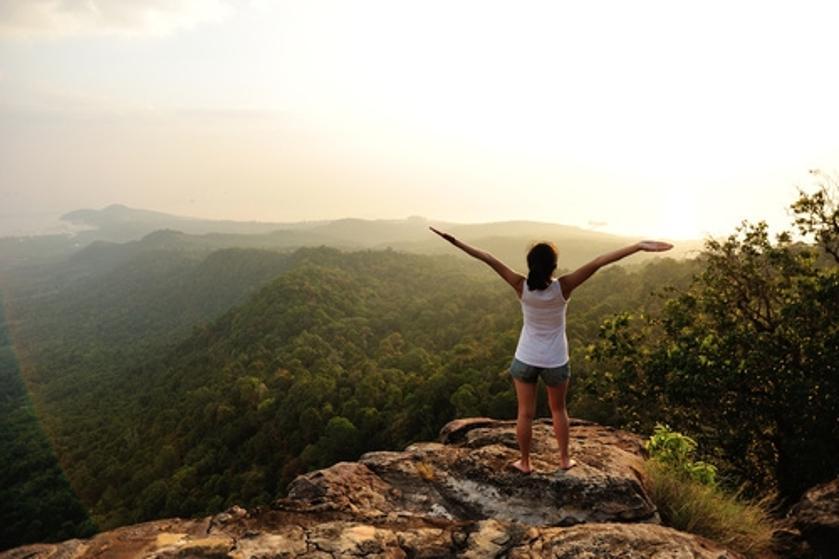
x=130 y=304
x=121 y=230
x=75 y=332
x=153 y=411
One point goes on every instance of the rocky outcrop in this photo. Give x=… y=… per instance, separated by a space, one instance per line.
x=466 y=477
x=452 y=498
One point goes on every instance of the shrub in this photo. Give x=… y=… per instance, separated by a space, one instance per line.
x=689 y=498
x=676 y=451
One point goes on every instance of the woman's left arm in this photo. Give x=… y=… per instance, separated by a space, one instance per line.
x=512 y=277
x=569 y=282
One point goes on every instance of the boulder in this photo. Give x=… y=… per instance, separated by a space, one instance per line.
x=606 y=541
x=816 y=517
x=468 y=477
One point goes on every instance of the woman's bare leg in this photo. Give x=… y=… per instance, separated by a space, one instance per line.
x=559 y=415
x=526 y=396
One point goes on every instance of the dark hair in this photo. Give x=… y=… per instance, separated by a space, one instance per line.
x=541 y=261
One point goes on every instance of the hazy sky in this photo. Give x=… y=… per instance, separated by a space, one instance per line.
x=653 y=118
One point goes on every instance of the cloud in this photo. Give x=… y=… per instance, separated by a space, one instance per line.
x=63 y=18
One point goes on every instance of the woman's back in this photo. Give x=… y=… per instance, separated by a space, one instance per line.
x=543 y=342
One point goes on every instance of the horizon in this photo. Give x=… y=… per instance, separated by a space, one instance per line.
x=51 y=223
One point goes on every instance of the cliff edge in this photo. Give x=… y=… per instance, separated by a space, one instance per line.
x=452 y=498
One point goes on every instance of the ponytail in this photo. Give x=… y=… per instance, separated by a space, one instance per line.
x=541 y=261
x=538 y=279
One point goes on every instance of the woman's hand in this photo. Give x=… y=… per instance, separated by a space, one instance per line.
x=654 y=246
x=444 y=235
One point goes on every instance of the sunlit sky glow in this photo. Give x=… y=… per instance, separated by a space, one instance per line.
x=654 y=118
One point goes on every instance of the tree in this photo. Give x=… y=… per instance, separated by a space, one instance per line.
x=817 y=214
x=746 y=358
x=340 y=441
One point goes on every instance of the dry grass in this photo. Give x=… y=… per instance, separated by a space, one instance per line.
x=687 y=505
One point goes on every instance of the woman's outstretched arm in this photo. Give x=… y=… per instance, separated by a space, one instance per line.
x=512 y=277
x=569 y=282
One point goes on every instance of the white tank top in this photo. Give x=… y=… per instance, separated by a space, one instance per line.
x=543 y=342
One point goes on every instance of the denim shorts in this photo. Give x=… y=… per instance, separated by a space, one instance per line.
x=553 y=376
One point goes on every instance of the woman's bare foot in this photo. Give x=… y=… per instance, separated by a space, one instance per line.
x=568 y=464
x=518 y=466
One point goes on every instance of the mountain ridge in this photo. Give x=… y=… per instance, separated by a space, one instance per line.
x=121 y=214
x=120 y=224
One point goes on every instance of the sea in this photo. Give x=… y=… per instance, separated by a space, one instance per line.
x=35 y=224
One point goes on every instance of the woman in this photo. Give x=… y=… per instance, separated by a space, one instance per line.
x=543 y=346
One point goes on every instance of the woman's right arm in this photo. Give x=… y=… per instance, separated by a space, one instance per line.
x=512 y=277
x=569 y=282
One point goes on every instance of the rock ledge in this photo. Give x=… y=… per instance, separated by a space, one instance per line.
x=453 y=498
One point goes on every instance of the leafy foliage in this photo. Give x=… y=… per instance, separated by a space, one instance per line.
x=676 y=451
x=745 y=360
x=817 y=213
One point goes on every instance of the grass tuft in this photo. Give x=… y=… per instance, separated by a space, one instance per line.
x=694 y=502
x=687 y=505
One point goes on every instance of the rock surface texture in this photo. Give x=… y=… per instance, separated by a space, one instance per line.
x=812 y=525
x=454 y=498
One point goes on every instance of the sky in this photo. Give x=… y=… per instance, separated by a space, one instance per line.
x=655 y=119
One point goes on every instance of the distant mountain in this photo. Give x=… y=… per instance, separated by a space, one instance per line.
x=132 y=223
x=120 y=224
x=125 y=223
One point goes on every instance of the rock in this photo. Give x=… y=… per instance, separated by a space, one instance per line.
x=230 y=515
x=346 y=486
x=286 y=543
x=469 y=479
x=146 y=540
x=595 y=541
x=788 y=542
x=491 y=539
x=477 y=540
x=64 y=550
x=453 y=498
x=816 y=516
x=215 y=546
x=454 y=430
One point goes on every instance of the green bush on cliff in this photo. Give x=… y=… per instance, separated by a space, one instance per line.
x=676 y=451
x=689 y=498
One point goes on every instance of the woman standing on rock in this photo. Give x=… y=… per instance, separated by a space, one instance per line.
x=543 y=346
